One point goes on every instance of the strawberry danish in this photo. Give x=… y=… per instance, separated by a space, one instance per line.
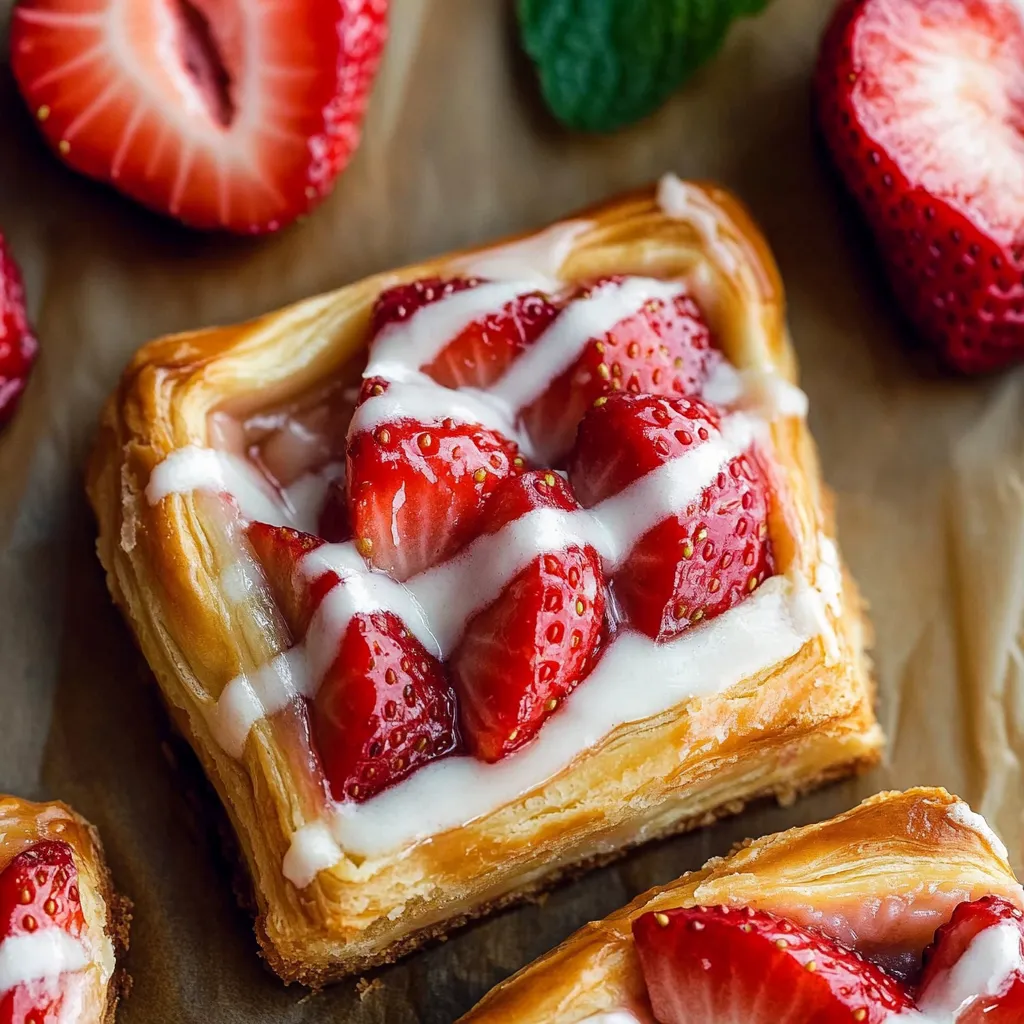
x=903 y=910
x=61 y=923
x=473 y=573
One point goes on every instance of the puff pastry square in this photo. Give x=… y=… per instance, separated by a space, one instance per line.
x=880 y=878
x=67 y=926
x=771 y=698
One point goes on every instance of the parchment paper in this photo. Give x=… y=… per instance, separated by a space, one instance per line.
x=928 y=473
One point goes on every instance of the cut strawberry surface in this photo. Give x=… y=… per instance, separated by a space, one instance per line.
x=701 y=562
x=528 y=649
x=922 y=105
x=484 y=350
x=222 y=114
x=712 y=965
x=417 y=492
x=664 y=349
x=18 y=347
x=38 y=892
x=384 y=709
x=939 y=983
x=279 y=550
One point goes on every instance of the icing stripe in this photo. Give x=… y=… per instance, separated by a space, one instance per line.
x=43 y=955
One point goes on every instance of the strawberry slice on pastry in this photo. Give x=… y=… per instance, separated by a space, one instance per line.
x=700 y=562
x=522 y=654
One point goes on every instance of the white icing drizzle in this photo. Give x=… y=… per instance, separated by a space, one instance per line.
x=829 y=574
x=437 y=604
x=682 y=201
x=537 y=258
x=561 y=344
x=986 y=968
x=612 y=1017
x=43 y=955
x=754 y=390
x=961 y=813
x=765 y=629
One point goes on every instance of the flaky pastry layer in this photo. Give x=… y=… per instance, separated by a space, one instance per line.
x=783 y=731
x=107 y=914
x=910 y=857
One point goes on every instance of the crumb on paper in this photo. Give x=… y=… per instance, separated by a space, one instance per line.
x=364 y=986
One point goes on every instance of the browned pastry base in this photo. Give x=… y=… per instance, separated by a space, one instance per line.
x=782 y=731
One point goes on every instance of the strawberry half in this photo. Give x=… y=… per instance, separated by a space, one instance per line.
x=18 y=346
x=417 y=491
x=951 y=943
x=701 y=562
x=222 y=114
x=279 y=550
x=38 y=891
x=527 y=650
x=481 y=353
x=921 y=103
x=664 y=349
x=712 y=965
x=384 y=709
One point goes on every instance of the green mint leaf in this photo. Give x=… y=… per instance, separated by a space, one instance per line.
x=606 y=63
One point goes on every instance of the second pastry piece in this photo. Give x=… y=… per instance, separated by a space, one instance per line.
x=564 y=580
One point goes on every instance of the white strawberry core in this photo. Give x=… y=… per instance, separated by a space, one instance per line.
x=941 y=90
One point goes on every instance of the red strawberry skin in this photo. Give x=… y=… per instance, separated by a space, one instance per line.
x=18 y=346
x=664 y=349
x=532 y=646
x=721 y=544
x=937 y=171
x=950 y=944
x=279 y=550
x=384 y=709
x=417 y=492
x=225 y=115
x=481 y=353
x=712 y=965
x=38 y=890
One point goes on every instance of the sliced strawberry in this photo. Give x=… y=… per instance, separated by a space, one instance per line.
x=223 y=114
x=921 y=103
x=279 y=550
x=664 y=349
x=712 y=965
x=416 y=492
x=701 y=562
x=384 y=709
x=18 y=346
x=526 y=651
x=952 y=941
x=483 y=351
x=38 y=891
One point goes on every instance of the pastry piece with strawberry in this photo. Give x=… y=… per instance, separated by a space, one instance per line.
x=920 y=103
x=903 y=910
x=234 y=116
x=62 y=926
x=575 y=587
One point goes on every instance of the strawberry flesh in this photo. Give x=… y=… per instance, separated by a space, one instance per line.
x=222 y=114
x=695 y=565
x=417 y=491
x=921 y=103
x=279 y=550
x=38 y=891
x=485 y=349
x=712 y=965
x=18 y=346
x=384 y=709
x=664 y=349
x=528 y=649
x=951 y=943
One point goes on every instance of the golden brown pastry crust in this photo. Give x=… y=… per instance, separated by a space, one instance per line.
x=902 y=847
x=786 y=730
x=107 y=914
